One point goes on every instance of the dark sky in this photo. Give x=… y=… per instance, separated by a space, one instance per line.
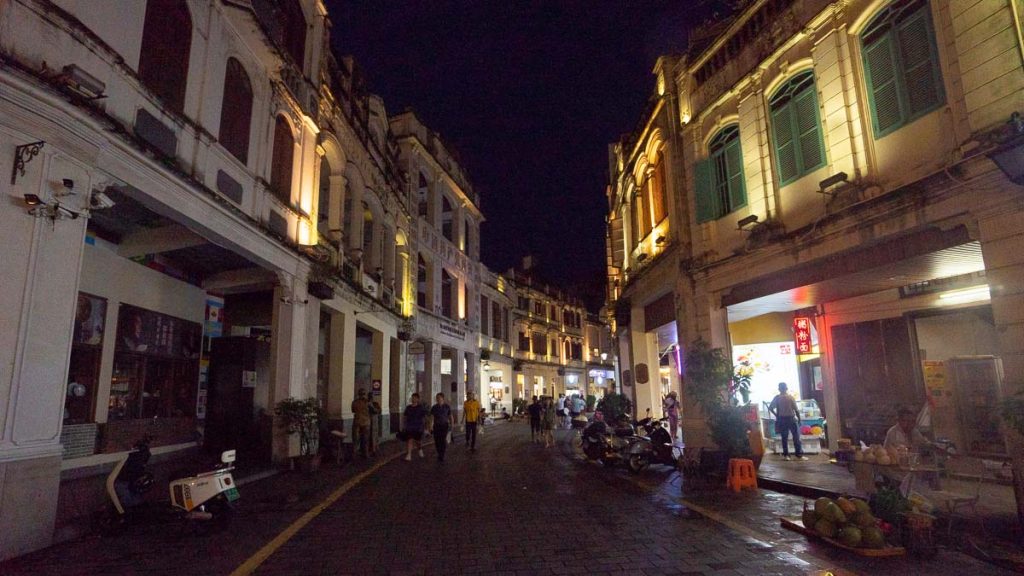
x=530 y=94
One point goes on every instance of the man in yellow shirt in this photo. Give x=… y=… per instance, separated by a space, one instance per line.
x=470 y=416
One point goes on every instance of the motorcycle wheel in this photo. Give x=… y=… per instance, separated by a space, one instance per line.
x=637 y=462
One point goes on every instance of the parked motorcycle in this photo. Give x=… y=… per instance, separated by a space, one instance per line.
x=608 y=444
x=654 y=448
x=206 y=495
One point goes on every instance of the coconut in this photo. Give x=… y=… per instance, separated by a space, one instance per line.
x=861 y=505
x=846 y=506
x=872 y=537
x=825 y=528
x=834 y=514
x=851 y=536
x=863 y=519
x=821 y=504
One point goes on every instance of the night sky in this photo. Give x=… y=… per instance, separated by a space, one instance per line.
x=529 y=94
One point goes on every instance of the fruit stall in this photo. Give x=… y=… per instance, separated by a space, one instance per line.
x=847 y=523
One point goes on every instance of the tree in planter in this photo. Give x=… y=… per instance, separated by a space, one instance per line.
x=709 y=381
x=301 y=417
x=613 y=405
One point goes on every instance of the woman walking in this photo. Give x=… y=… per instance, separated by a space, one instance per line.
x=547 y=421
x=441 y=413
x=415 y=415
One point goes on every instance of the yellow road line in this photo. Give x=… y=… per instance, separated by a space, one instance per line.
x=254 y=561
x=756 y=534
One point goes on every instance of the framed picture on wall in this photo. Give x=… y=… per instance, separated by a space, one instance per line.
x=90 y=320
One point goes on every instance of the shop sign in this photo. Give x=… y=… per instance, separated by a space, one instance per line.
x=802 y=334
x=939 y=394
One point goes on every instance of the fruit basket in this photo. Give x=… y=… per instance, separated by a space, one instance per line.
x=844 y=523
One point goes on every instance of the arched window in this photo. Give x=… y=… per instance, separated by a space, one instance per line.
x=641 y=218
x=421 y=281
x=282 y=160
x=901 y=64
x=447 y=294
x=720 y=188
x=446 y=218
x=796 y=128
x=323 y=202
x=236 y=111
x=422 y=196
x=166 y=44
x=656 y=190
x=294 y=30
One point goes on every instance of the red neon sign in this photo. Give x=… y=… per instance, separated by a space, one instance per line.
x=802 y=334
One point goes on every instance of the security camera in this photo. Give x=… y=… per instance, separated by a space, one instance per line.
x=100 y=201
x=69 y=183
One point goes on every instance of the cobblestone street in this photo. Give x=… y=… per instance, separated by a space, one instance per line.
x=510 y=508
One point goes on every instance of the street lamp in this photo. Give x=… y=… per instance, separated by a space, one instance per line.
x=604 y=356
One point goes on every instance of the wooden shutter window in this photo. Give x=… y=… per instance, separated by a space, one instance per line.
x=656 y=187
x=704 y=193
x=282 y=160
x=901 y=65
x=880 y=67
x=166 y=45
x=796 y=129
x=236 y=111
x=737 y=196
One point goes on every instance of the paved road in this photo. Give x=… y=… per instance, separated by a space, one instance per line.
x=511 y=508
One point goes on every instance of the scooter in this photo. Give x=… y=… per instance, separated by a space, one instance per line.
x=207 y=495
x=597 y=444
x=655 y=448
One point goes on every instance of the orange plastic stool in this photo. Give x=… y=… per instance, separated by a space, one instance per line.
x=741 y=474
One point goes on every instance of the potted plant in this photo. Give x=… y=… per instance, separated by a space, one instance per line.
x=710 y=378
x=302 y=417
x=742 y=373
x=613 y=405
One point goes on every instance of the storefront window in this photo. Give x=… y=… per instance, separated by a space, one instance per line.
x=156 y=366
x=84 y=367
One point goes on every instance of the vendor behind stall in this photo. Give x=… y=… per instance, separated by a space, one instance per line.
x=905 y=433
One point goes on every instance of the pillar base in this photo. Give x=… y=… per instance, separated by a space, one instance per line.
x=28 y=504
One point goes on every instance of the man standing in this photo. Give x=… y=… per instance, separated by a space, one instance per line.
x=415 y=415
x=562 y=414
x=361 y=421
x=905 y=433
x=470 y=417
x=441 y=413
x=787 y=421
x=535 y=410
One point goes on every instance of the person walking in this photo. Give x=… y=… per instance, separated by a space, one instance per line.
x=470 y=417
x=671 y=407
x=361 y=422
x=548 y=421
x=787 y=421
x=414 y=418
x=561 y=413
x=441 y=413
x=536 y=410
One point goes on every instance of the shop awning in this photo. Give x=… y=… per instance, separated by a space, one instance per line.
x=926 y=255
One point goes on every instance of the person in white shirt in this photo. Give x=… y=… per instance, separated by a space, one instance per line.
x=905 y=433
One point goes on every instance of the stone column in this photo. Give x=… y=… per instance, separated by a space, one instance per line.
x=41 y=261
x=289 y=358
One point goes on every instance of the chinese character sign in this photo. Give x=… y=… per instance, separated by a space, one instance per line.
x=802 y=334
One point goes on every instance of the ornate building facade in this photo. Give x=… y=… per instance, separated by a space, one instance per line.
x=844 y=183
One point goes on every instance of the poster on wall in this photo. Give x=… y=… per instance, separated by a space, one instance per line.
x=939 y=393
x=90 y=317
x=214 y=316
x=149 y=332
x=768 y=364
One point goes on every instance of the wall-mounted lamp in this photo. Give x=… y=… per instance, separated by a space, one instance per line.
x=837 y=178
x=1009 y=156
x=604 y=356
x=748 y=221
x=33 y=200
x=487 y=366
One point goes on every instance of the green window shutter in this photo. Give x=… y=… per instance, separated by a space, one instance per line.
x=808 y=126
x=923 y=83
x=883 y=88
x=785 y=146
x=734 y=169
x=704 y=191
